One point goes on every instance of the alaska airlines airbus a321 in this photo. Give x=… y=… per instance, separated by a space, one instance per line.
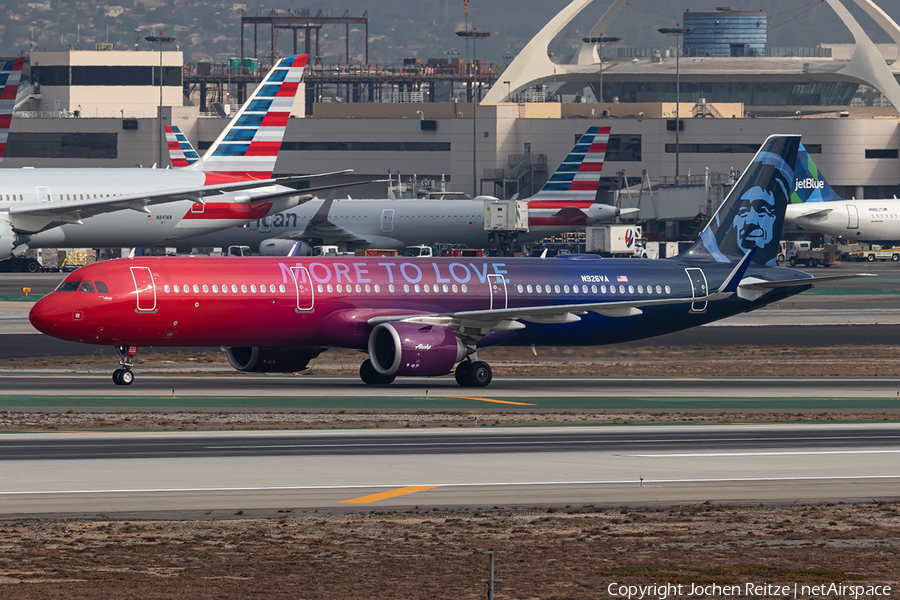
x=427 y=317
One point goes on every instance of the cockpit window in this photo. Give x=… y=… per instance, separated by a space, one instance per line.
x=86 y=286
x=68 y=286
x=101 y=287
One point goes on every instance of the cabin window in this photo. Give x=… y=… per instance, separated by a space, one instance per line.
x=556 y=288
x=427 y=289
x=101 y=287
x=406 y=288
x=224 y=289
x=205 y=289
x=176 y=288
x=565 y=289
x=368 y=288
x=166 y=288
x=658 y=290
x=417 y=288
x=538 y=289
x=621 y=289
x=446 y=289
x=593 y=289
x=215 y=289
x=668 y=290
x=630 y=289
x=320 y=288
x=262 y=289
x=272 y=288
x=649 y=290
x=281 y=288
x=359 y=288
x=612 y=289
x=244 y=288
x=67 y=196
x=377 y=288
x=465 y=288
x=329 y=288
x=528 y=288
x=68 y=286
x=340 y=288
x=252 y=288
x=391 y=288
x=196 y=289
x=86 y=286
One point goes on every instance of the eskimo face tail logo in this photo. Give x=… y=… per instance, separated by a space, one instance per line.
x=753 y=213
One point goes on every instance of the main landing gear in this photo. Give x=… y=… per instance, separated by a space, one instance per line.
x=371 y=376
x=474 y=374
x=124 y=376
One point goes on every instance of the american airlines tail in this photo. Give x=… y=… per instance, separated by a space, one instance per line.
x=9 y=82
x=752 y=215
x=809 y=183
x=181 y=152
x=249 y=146
x=576 y=180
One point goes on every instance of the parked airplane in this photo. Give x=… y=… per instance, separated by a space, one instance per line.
x=231 y=185
x=817 y=207
x=423 y=317
x=564 y=203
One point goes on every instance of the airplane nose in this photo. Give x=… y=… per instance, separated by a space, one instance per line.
x=41 y=316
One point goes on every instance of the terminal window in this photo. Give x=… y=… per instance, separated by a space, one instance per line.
x=62 y=145
x=881 y=153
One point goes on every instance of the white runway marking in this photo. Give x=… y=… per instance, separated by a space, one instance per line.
x=448 y=485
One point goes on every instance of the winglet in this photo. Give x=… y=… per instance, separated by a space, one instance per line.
x=730 y=285
x=321 y=215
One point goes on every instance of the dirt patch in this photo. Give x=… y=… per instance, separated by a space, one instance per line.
x=541 y=554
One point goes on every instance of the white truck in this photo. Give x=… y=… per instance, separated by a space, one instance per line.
x=612 y=240
x=875 y=253
x=802 y=253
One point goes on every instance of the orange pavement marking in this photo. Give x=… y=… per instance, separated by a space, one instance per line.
x=492 y=400
x=389 y=494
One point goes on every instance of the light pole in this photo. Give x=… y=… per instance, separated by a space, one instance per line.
x=472 y=33
x=160 y=39
x=601 y=40
x=677 y=32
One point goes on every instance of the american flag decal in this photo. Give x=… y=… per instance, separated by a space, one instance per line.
x=622 y=279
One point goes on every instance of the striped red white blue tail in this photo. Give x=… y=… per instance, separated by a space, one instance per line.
x=249 y=145
x=9 y=83
x=576 y=180
x=181 y=152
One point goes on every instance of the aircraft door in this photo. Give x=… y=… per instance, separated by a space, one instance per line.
x=144 y=289
x=304 y=287
x=852 y=216
x=699 y=289
x=498 y=291
x=43 y=193
x=387 y=219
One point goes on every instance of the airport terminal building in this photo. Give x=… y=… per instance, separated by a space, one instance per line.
x=728 y=105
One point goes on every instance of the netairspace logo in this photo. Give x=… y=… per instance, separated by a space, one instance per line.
x=808 y=184
x=663 y=591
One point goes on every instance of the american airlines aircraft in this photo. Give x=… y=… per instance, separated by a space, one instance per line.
x=231 y=185
x=817 y=207
x=566 y=202
x=423 y=317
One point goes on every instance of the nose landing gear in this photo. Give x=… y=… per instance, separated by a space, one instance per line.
x=124 y=376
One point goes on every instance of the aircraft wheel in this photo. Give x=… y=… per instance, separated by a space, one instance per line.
x=480 y=374
x=462 y=373
x=127 y=377
x=370 y=376
x=15 y=266
x=117 y=376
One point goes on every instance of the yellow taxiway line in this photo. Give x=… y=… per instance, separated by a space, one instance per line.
x=491 y=400
x=389 y=494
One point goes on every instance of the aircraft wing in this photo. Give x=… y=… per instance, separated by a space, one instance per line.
x=320 y=228
x=33 y=218
x=472 y=325
x=812 y=213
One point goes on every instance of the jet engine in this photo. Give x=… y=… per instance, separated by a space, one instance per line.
x=281 y=247
x=414 y=349
x=271 y=360
x=8 y=239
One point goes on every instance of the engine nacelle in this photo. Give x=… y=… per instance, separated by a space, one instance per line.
x=271 y=360
x=414 y=349
x=281 y=247
x=8 y=239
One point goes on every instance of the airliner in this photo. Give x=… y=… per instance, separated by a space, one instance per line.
x=427 y=317
x=817 y=207
x=565 y=203
x=231 y=185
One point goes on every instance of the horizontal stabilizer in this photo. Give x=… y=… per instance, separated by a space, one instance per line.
x=759 y=284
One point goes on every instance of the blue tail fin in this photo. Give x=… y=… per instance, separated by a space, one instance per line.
x=752 y=215
x=809 y=183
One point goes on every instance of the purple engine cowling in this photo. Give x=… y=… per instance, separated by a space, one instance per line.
x=414 y=349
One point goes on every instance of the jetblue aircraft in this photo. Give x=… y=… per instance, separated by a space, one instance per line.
x=231 y=185
x=565 y=203
x=425 y=317
x=817 y=207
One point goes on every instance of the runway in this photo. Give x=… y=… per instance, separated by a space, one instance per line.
x=43 y=391
x=183 y=473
